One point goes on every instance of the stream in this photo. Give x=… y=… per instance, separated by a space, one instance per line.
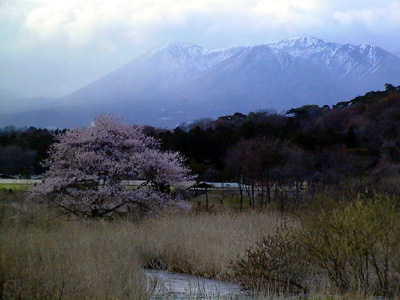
x=167 y=285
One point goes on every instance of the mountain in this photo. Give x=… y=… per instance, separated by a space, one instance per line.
x=182 y=82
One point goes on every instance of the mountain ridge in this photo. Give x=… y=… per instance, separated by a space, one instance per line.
x=182 y=82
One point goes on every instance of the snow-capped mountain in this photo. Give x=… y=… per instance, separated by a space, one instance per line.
x=345 y=61
x=182 y=82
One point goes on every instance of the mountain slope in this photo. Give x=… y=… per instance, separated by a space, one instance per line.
x=365 y=63
x=181 y=82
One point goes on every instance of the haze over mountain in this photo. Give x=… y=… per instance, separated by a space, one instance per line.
x=182 y=82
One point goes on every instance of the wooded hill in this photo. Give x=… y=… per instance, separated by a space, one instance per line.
x=353 y=141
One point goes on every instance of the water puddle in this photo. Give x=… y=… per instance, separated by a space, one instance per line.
x=167 y=285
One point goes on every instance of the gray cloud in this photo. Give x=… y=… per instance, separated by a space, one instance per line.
x=51 y=47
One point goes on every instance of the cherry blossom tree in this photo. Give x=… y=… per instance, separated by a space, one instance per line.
x=87 y=169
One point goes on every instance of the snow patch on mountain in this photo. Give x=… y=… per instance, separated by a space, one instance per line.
x=341 y=60
x=192 y=56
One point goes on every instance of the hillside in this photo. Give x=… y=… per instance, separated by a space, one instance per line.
x=359 y=138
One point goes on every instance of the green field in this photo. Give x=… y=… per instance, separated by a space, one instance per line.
x=14 y=187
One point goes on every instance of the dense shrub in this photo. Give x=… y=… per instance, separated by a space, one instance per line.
x=272 y=265
x=354 y=247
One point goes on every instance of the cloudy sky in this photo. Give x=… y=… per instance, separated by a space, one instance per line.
x=52 y=47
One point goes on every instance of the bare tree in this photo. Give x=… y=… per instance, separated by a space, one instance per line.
x=256 y=162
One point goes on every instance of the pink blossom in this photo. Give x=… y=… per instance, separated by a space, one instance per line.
x=86 y=168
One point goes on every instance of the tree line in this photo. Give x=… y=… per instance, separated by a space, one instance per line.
x=353 y=144
x=355 y=141
x=22 y=150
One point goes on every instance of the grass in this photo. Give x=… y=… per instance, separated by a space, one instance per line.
x=14 y=187
x=64 y=258
x=43 y=258
x=202 y=244
x=69 y=261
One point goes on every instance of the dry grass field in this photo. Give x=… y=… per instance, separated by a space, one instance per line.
x=65 y=258
x=43 y=257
